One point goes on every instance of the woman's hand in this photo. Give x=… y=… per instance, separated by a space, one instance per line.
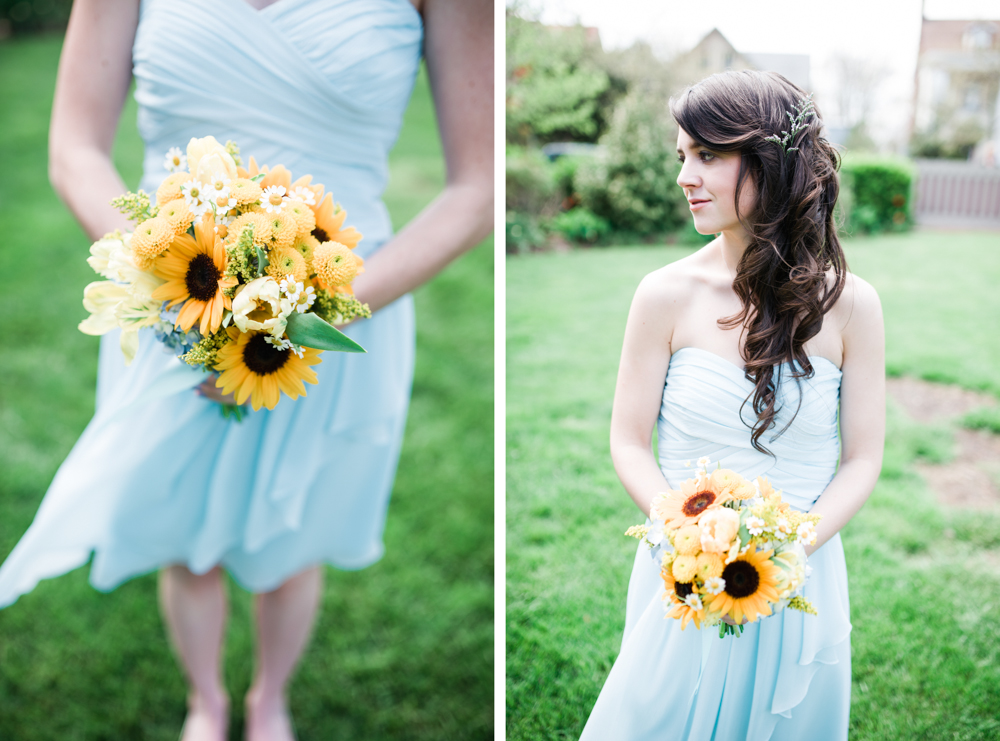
x=210 y=391
x=729 y=621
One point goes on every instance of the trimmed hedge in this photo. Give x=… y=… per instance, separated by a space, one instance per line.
x=876 y=194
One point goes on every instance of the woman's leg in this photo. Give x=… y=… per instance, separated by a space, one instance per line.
x=284 y=621
x=194 y=607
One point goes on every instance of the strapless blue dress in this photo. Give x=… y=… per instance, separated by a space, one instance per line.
x=788 y=677
x=159 y=477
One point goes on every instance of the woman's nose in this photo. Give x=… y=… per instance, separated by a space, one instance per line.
x=687 y=177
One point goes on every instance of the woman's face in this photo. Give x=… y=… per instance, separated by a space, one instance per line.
x=709 y=182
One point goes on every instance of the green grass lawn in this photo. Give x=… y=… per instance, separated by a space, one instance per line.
x=926 y=650
x=402 y=650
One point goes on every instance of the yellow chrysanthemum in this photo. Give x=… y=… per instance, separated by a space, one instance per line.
x=178 y=214
x=305 y=219
x=684 y=567
x=684 y=507
x=286 y=262
x=687 y=540
x=709 y=565
x=194 y=270
x=254 y=368
x=283 y=230
x=751 y=586
x=261 y=227
x=245 y=191
x=335 y=264
x=150 y=239
x=170 y=188
x=329 y=224
x=733 y=485
x=306 y=246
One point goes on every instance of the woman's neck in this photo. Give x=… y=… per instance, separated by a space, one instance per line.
x=733 y=243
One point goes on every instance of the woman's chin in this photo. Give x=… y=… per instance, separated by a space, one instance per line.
x=705 y=229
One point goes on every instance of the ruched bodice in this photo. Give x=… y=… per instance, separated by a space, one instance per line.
x=703 y=414
x=788 y=677
x=319 y=87
x=159 y=476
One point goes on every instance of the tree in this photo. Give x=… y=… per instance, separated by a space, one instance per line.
x=554 y=83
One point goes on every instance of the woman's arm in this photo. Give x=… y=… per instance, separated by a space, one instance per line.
x=862 y=412
x=458 y=48
x=645 y=357
x=95 y=70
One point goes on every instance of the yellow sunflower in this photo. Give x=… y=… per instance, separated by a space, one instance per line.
x=195 y=273
x=278 y=176
x=329 y=220
x=751 y=586
x=254 y=368
x=684 y=507
x=677 y=592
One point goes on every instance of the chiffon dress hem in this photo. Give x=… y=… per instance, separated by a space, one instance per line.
x=159 y=476
x=788 y=676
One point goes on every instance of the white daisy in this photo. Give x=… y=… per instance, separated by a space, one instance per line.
x=291 y=288
x=273 y=198
x=196 y=197
x=806 y=533
x=218 y=186
x=715 y=584
x=703 y=462
x=278 y=342
x=301 y=193
x=306 y=299
x=693 y=601
x=755 y=525
x=175 y=160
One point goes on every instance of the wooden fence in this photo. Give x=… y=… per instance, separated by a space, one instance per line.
x=957 y=194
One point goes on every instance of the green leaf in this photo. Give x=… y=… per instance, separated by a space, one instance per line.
x=258 y=177
x=311 y=331
x=262 y=261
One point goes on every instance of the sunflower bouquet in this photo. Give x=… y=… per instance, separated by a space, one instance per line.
x=238 y=271
x=728 y=548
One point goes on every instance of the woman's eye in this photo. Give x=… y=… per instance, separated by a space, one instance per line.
x=706 y=156
x=680 y=159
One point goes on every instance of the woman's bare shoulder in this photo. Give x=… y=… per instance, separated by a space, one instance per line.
x=857 y=305
x=676 y=282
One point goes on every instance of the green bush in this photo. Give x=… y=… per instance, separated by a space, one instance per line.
x=554 y=82
x=530 y=185
x=524 y=233
x=878 y=197
x=634 y=185
x=564 y=176
x=32 y=16
x=580 y=225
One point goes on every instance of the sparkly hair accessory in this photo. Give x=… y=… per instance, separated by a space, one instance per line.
x=798 y=116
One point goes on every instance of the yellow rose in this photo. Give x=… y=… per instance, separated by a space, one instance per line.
x=258 y=306
x=206 y=157
x=718 y=528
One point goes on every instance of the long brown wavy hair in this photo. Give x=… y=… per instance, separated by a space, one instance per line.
x=782 y=279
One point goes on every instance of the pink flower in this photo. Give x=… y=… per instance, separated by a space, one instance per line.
x=718 y=528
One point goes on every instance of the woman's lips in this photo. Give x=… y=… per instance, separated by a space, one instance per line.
x=697 y=203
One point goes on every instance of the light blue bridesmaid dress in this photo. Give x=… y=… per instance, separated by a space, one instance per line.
x=159 y=477
x=788 y=677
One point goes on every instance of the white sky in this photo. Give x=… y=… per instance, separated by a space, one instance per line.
x=886 y=32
